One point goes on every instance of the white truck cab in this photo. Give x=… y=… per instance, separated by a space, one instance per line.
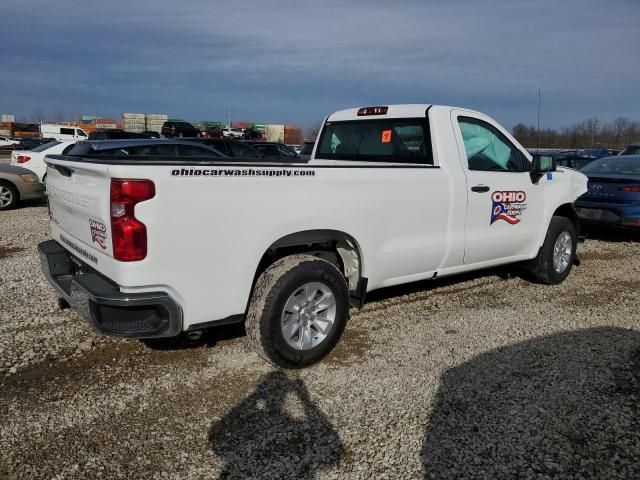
x=62 y=132
x=152 y=247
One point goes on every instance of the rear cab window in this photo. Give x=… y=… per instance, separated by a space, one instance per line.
x=392 y=140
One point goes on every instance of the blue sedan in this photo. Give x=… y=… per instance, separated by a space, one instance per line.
x=613 y=195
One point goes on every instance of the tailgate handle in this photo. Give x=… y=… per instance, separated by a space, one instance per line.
x=480 y=188
x=63 y=170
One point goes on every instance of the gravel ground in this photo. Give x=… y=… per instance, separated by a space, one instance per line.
x=481 y=376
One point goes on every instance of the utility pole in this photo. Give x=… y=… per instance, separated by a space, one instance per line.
x=538 y=134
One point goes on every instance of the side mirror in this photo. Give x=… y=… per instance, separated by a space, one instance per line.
x=543 y=164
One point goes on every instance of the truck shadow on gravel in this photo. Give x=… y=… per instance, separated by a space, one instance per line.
x=275 y=432
x=565 y=405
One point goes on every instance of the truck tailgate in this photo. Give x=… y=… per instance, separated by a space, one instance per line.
x=79 y=203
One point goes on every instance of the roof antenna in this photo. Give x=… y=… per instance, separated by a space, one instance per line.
x=538 y=133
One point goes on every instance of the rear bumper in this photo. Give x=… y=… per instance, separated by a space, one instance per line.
x=618 y=215
x=102 y=304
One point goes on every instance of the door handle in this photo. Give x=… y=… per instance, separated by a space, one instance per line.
x=480 y=188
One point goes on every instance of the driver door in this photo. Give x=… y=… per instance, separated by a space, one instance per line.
x=504 y=208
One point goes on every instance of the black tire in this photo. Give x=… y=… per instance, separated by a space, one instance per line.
x=13 y=196
x=542 y=267
x=274 y=286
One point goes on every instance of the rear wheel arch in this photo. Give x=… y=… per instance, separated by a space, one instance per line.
x=334 y=246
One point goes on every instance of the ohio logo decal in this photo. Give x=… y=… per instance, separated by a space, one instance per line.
x=98 y=233
x=508 y=206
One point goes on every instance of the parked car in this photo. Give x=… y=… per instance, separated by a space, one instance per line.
x=119 y=134
x=229 y=147
x=62 y=132
x=237 y=133
x=171 y=129
x=179 y=245
x=6 y=142
x=150 y=134
x=613 y=196
x=213 y=133
x=18 y=184
x=306 y=151
x=275 y=150
x=143 y=148
x=633 y=149
x=34 y=159
x=30 y=143
x=252 y=134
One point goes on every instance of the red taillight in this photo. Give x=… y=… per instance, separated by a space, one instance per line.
x=128 y=233
x=631 y=189
x=23 y=159
x=372 y=111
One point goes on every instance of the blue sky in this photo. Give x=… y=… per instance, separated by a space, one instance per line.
x=297 y=61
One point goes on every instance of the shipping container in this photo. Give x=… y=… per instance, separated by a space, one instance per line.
x=275 y=133
x=260 y=127
x=104 y=126
x=7 y=118
x=5 y=133
x=241 y=124
x=293 y=135
x=133 y=115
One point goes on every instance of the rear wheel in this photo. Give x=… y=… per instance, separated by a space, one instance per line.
x=8 y=195
x=557 y=255
x=298 y=311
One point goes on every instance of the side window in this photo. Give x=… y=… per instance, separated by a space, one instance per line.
x=487 y=149
x=81 y=133
x=220 y=146
x=67 y=149
x=191 y=151
x=67 y=131
x=240 y=150
x=286 y=152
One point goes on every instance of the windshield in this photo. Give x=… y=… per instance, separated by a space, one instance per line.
x=631 y=150
x=307 y=148
x=385 y=140
x=45 y=146
x=620 y=165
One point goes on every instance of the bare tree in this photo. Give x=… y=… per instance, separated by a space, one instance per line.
x=311 y=133
x=37 y=116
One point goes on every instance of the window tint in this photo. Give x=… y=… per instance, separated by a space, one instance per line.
x=45 y=146
x=193 y=151
x=307 y=148
x=487 y=149
x=389 y=140
x=240 y=150
x=218 y=145
x=268 y=150
x=67 y=131
x=67 y=149
x=286 y=151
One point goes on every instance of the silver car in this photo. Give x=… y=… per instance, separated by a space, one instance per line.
x=17 y=184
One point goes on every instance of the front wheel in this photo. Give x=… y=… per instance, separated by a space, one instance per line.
x=298 y=311
x=557 y=255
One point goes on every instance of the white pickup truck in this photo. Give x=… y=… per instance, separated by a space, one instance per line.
x=157 y=246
